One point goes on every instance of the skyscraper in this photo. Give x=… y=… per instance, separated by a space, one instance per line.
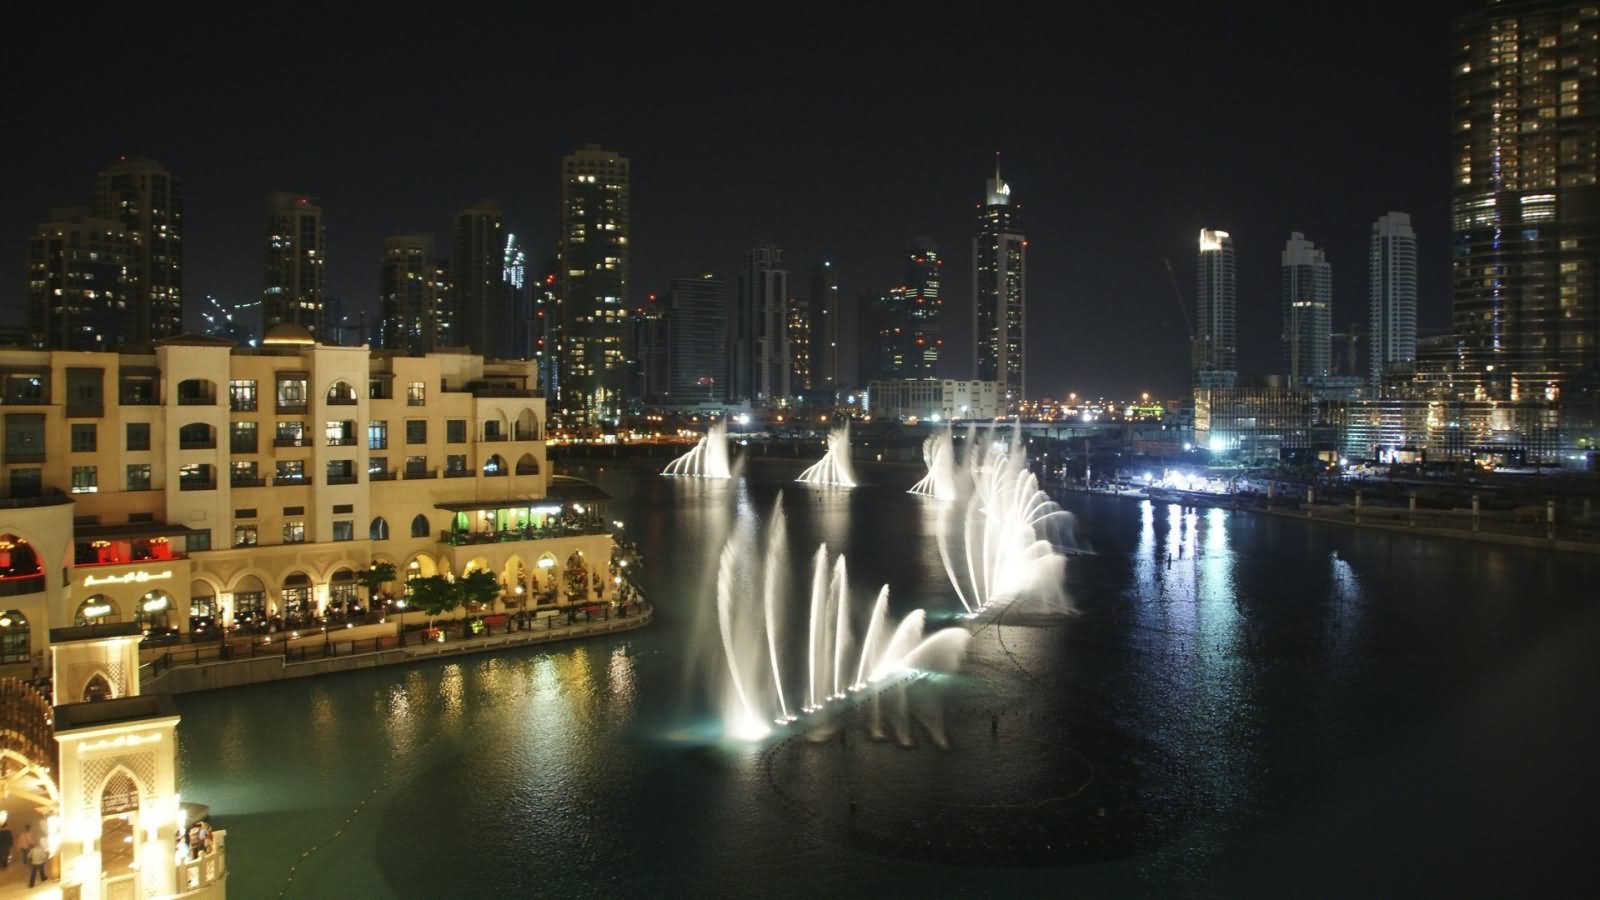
x=697 y=339
x=1391 y=296
x=1526 y=205
x=799 y=326
x=294 y=289
x=1307 y=299
x=593 y=277
x=82 y=282
x=407 y=295
x=648 y=378
x=826 y=321
x=761 y=347
x=924 y=307
x=1000 y=292
x=547 y=327
x=148 y=202
x=891 y=354
x=477 y=274
x=1216 y=347
x=517 y=288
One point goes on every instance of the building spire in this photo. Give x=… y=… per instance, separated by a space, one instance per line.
x=997 y=180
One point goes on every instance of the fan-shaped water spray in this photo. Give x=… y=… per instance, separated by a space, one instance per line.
x=834 y=469
x=759 y=652
x=939 y=454
x=708 y=459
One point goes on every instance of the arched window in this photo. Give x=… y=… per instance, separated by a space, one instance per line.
x=19 y=567
x=420 y=527
x=97 y=610
x=249 y=599
x=342 y=593
x=379 y=530
x=197 y=436
x=528 y=465
x=495 y=466
x=527 y=426
x=341 y=394
x=15 y=643
x=119 y=840
x=202 y=607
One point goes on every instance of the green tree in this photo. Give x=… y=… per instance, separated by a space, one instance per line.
x=373 y=578
x=479 y=586
x=435 y=595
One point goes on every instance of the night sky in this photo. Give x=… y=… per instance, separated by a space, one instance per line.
x=1122 y=133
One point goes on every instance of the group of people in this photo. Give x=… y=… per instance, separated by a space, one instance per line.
x=29 y=850
x=194 y=843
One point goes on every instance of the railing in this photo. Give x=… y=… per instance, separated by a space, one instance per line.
x=420 y=473
x=342 y=401
x=249 y=481
x=197 y=400
x=137 y=398
x=468 y=538
x=458 y=473
x=497 y=473
x=290 y=442
x=346 y=441
x=207 y=868
x=209 y=484
x=289 y=479
x=527 y=470
x=14 y=586
x=527 y=434
x=387 y=475
x=291 y=406
x=18 y=456
x=197 y=444
x=240 y=405
x=494 y=438
x=342 y=479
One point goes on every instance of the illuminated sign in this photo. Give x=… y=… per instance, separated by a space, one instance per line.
x=129 y=578
x=156 y=605
x=97 y=610
x=125 y=740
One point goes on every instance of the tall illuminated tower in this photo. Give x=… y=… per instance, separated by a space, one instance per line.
x=148 y=202
x=593 y=279
x=294 y=289
x=477 y=276
x=1526 y=205
x=1307 y=302
x=1000 y=292
x=924 y=306
x=1216 y=347
x=1391 y=296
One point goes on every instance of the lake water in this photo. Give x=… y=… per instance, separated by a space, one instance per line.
x=1286 y=709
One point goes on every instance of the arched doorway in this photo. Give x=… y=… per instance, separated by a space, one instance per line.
x=202 y=610
x=298 y=606
x=97 y=688
x=119 y=839
x=97 y=610
x=29 y=755
x=546 y=587
x=344 y=595
x=495 y=466
x=527 y=426
x=528 y=465
x=157 y=615
x=249 y=601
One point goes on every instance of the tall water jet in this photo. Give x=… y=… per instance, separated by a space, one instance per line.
x=759 y=652
x=835 y=468
x=939 y=454
x=708 y=459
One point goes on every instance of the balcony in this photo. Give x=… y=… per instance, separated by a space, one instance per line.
x=197 y=484
x=530 y=533
x=204 y=872
x=289 y=479
x=248 y=481
x=526 y=434
x=346 y=441
x=291 y=406
x=412 y=474
x=197 y=399
x=342 y=479
x=197 y=444
x=381 y=476
x=25 y=456
x=494 y=439
x=346 y=400
x=458 y=473
x=242 y=404
x=17 y=585
x=290 y=442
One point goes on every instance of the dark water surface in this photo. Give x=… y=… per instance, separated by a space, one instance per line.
x=1286 y=710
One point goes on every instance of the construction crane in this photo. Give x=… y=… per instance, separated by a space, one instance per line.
x=1177 y=294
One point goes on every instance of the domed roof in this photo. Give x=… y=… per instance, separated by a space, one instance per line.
x=288 y=333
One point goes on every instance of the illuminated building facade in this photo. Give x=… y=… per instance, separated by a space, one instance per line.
x=294 y=290
x=935 y=399
x=824 y=331
x=1526 y=204
x=1216 y=334
x=924 y=307
x=593 y=278
x=1391 y=297
x=799 y=325
x=147 y=201
x=82 y=282
x=1000 y=292
x=408 y=295
x=761 y=370
x=1307 y=298
x=697 y=328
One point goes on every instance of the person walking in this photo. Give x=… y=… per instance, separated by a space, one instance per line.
x=32 y=854
x=7 y=839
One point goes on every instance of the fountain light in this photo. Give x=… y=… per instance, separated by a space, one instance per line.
x=708 y=459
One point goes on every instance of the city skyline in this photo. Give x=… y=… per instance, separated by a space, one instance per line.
x=1102 y=220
